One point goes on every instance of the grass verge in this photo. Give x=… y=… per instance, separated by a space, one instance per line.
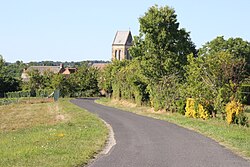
x=49 y=134
x=234 y=137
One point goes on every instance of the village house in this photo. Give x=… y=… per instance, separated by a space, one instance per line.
x=100 y=66
x=42 y=69
x=120 y=51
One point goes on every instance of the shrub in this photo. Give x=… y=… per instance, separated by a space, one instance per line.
x=235 y=113
x=195 y=110
x=180 y=104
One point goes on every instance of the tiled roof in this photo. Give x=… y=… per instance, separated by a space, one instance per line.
x=100 y=65
x=68 y=70
x=121 y=37
x=42 y=69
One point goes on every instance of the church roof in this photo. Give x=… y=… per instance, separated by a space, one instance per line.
x=122 y=37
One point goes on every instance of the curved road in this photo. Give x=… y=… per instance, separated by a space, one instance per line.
x=147 y=142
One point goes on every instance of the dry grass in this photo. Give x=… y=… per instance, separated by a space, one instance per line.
x=19 y=116
x=49 y=134
x=123 y=102
x=130 y=105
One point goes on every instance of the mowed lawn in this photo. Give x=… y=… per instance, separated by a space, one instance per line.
x=234 y=137
x=49 y=134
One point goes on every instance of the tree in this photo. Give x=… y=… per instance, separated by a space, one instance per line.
x=161 y=48
x=35 y=82
x=237 y=47
x=64 y=84
x=105 y=79
x=109 y=79
x=15 y=69
x=85 y=80
x=161 y=45
x=1 y=61
x=8 y=83
x=212 y=79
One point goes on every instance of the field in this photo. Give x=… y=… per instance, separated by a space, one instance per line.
x=49 y=134
x=234 y=137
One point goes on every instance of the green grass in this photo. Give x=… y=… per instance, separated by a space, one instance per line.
x=49 y=134
x=234 y=137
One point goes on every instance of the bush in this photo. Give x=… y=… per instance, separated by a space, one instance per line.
x=180 y=104
x=195 y=110
x=18 y=94
x=245 y=94
x=235 y=113
x=43 y=92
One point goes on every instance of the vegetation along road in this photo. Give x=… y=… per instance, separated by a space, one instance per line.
x=147 y=142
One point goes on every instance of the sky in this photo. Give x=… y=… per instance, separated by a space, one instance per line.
x=78 y=30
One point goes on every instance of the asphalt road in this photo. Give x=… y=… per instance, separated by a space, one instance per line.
x=147 y=142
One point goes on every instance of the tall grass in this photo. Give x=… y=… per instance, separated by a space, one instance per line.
x=49 y=134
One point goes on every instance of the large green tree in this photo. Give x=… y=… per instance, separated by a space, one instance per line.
x=15 y=69
x=237 y=47
x=162 y=48
x=162 y=45
x=8 y=82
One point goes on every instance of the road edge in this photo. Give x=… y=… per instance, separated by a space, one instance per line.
x=110 y=143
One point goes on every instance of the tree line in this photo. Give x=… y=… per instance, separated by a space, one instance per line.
x=82 y=83
x=168 y=73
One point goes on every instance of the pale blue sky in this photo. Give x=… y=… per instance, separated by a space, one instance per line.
x=76 y=30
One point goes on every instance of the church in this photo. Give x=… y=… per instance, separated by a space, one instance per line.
x=120 y=47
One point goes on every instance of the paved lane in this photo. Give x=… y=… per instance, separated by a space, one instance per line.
x=147 y=142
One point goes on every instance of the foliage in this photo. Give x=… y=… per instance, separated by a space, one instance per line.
x=165 y=48
x=244 y=94
x=237 y=47
x=85 y=79
x=83 y=82
x=195 y=110
x=180 y=106
x=1 y=61
x=161 y=46
x=18 y=94
x=44 y=92
x=159 y=53
x=105 y=79
x=22 y=96
x=163 y=94
x=66 y=64
x=217 y=73
x=235 y=113
x=213 y=78
x=37 y=80
x=15 y=69
x=124 y=80
x=7 y=81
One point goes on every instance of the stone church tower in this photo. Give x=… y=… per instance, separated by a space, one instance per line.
x=122 y=42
